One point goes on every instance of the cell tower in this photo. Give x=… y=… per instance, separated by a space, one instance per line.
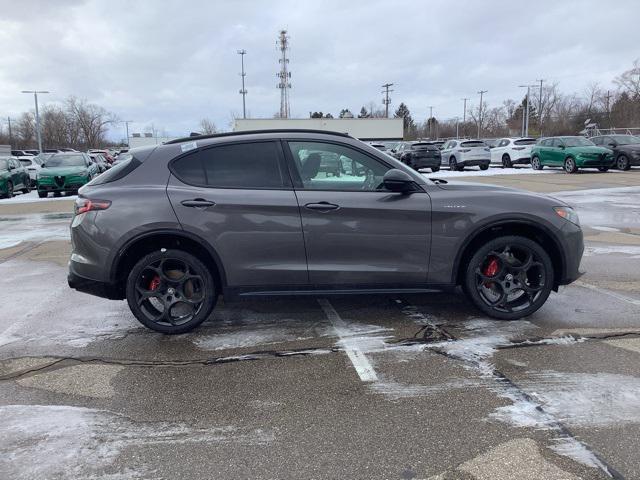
x=284 y=74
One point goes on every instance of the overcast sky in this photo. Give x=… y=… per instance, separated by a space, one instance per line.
x=171 y=63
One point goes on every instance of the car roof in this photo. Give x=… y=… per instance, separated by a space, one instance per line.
x=275 y=133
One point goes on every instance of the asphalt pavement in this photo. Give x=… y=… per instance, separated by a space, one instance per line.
x=398 y=386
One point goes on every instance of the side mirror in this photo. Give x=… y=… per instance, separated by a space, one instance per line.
x=397 y=181
x=613 y=144
x=561 y=146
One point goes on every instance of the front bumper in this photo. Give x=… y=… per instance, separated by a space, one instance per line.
x=62 y=184
x=583 y=162
x=572 y=250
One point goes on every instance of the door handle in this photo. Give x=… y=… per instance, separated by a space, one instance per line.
x=322 y=206
x=198 y=203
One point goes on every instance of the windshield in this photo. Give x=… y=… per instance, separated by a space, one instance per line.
x=625 y=139
x=577 y=142
x=65 y=161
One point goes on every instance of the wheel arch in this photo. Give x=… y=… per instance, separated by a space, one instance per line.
x=524 y=228
x=140 y=245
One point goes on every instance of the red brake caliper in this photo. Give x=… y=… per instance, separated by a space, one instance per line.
x=491 y=270
x=155 y=283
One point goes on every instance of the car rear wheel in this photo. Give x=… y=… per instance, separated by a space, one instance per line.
x=506 y=161
x=622 y=163
x=9 y=190
x=171 y=291
x=536 y=164
x=509 y=277
x=42 y=194
x=453 y=164
x=570 y=165
x=484 y=166
x=26 y=189
x=435 y=169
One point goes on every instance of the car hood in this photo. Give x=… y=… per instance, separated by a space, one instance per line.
x=62 y=171
x=478 y=189
x=589 y=149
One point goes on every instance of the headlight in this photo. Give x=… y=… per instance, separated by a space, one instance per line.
x=569 y=214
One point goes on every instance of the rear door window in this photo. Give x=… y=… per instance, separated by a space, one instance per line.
x=254 y=165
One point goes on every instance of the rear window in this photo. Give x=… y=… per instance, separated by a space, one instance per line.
x=473 y=143
x=240 y=165
x=26 y=163
x=424 y=146
x=526 y=141
x=118 y=171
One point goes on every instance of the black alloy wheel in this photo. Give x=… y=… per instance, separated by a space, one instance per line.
x=171 y=291
x=509 y=277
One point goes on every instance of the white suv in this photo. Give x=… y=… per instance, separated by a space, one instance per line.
x=512 y=151
x=466 y=153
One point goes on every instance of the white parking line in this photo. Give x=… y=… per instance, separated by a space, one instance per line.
x=619 y=296
x=360 y=362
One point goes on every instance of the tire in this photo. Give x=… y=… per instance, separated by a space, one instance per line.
x=570 y=165
x=164 y=280
x=529 y=287
x=435 y=169
x=9 y=190
x=26 y=189
x=506 y=161
x=603 y=169
x=43 y=194
x=453 y=165
x=536 y=164
x=484 y=166
x=622 y=163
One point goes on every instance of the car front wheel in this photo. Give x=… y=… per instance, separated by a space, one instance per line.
x=506 y=161
x=509 y=277
x=171 y=291
x=570 y=165
x=536 y=164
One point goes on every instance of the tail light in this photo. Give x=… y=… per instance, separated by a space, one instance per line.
x=464 y=150
x=518 y=148
x=84 y=205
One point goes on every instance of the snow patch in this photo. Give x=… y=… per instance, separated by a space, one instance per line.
x=32 y=197
x=491 y=172
x=44 y=441
x=590 y=251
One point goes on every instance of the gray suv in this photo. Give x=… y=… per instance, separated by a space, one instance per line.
x=173 y=226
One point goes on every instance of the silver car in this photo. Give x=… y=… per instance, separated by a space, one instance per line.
x=174 y=226
x=458 y=154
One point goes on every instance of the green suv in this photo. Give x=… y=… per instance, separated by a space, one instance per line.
x=570 y=153
x=66 y=173
x=13 y=176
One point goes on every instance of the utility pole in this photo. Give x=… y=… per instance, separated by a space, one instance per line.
x=243 y=92
x=525 y=113
x=540 y=107
x=126 y=126
x=481 y=92
x=464 y=116
x=35 y=96
x=386 y=100
x=457 y=127
x=430 y=121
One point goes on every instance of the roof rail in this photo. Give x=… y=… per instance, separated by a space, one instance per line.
x=251 y=132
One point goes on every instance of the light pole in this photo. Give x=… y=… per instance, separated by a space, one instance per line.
x=243 y=92
x=481 y=92
x=525 y=115
x=464 y=116
x=35 y=96
x=430 y=121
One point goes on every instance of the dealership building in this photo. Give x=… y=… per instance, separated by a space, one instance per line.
x=362 y=128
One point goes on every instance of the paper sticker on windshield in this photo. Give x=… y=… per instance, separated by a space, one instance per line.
x=185 y=147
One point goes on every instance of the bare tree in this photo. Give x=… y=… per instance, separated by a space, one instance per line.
x=629 y=81
x=207 y=127
x=92 y=119
x=25 y=130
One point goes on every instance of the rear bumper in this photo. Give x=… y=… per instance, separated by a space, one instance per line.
x=427 y=162
x=92 y=287
x=471 y=163
x=521 y=161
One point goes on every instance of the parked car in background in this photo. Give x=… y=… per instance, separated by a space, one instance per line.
x=491 y=142
x=459 y=154
x=32 y=152
x=626 y=149
x=570 y=153
x=21 y=153
x=439 y=143
x=400 y=149
x=380 y=146
x=104 y=152
x=66 y=173
x=13 y=177
x=512 y=151
x=99 y=160
x=33 y=164
x=51 y=150
x=67 y=149
x=422 y=155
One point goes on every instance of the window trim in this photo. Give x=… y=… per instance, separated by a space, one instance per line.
x=297 y=180
x=286 y=180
